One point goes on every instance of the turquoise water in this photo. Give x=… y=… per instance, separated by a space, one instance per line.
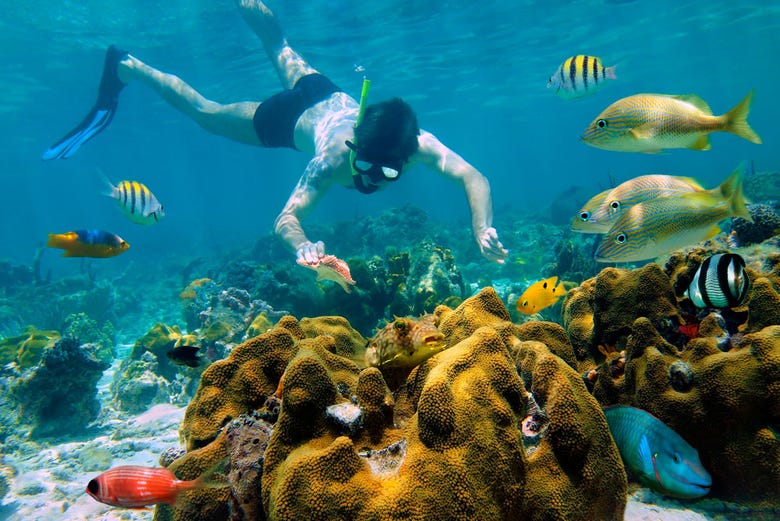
x=475 y=72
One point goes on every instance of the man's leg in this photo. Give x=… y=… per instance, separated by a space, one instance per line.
x=233 y=121
x=290 y=66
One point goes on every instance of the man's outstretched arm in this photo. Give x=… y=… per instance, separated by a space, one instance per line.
x=436 y=155
x=304 y=197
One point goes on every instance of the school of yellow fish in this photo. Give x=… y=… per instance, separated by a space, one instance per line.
x=654 y=214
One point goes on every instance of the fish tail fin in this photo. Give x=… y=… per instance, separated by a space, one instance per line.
x=110 y=187
x=737 y=123
x=212 y=477
x=610 y=72
x=731 y=190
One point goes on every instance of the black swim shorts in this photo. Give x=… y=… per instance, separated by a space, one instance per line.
x=276 y=117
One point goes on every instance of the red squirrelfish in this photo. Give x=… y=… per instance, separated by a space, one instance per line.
x=88 y=243
x=138 y=487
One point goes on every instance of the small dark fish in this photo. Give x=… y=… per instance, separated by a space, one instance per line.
x=720 y=282
x=185 y=355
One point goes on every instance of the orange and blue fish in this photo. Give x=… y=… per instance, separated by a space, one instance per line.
x=88 y=243
x=540 y=295
x=133 y=486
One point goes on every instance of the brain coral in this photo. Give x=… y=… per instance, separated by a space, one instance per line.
x=458 y=453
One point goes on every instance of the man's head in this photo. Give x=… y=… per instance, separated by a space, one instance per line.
x=387 y=134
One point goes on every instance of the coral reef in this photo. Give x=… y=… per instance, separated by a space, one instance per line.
x=26 y=349
x=766 y=224
x=59 y=396
x=690 y=368
x=344 y=447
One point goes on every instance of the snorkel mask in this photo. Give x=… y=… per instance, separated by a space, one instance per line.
x=375 y=172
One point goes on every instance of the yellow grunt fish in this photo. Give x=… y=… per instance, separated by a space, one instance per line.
x=651 y=123
x=404 y=343
x=658 y=226
x=634 y=191
x=581 y=222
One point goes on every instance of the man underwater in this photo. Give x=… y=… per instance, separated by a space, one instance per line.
x=313 y=115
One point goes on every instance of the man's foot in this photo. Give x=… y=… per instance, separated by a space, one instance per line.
x=101 y=114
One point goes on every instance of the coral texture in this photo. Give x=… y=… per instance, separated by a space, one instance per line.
x=448 y=444
x=711 y=375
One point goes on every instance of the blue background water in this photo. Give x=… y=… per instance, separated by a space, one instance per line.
x=475 y=72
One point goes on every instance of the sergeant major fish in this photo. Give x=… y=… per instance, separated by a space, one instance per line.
x=88 y=243
x=137 y=202
x=651 y=123
x=579 y=76
x=658 y=226
x=659 y=457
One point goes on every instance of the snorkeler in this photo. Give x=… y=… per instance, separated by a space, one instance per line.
x=354 y=145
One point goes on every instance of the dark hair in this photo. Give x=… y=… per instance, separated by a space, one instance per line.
x=388 y=132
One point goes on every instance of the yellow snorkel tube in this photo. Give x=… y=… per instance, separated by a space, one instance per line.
x=363 y=97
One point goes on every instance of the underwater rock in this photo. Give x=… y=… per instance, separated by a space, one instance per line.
x=26 y=349
x=60 y=396
x=681 y=376
x=137 y=385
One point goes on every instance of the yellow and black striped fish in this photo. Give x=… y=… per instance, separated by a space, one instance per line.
x=579 y=76
x=137 y=201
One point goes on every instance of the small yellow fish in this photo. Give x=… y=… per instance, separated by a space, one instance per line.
x=633 y=191
x=404 y=343
x=651 y=123
x=579 y=76
x=540 y=295
x=88 y=243
x=658 y=226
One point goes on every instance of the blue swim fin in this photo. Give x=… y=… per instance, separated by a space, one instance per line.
x=101 y=114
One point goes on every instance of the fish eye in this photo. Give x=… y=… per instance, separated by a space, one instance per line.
x=92 y=486
x=620 y=238
x=615 y=205
x=602 y=123
x=584 y=216
x=399 y=325
x=676 y=458
x=525 y=303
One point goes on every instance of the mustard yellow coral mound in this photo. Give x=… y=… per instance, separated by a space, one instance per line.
x=463 y=455
x=576 y=471
x=237 y=384
x=456 y=450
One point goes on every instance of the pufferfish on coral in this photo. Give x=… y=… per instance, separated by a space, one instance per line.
x=404 y=343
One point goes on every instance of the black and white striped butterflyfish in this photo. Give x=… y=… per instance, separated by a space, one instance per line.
x=579 y=76
x=137 y=202
x=720 y=282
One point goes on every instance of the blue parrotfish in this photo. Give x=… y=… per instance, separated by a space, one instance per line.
x=657 y=456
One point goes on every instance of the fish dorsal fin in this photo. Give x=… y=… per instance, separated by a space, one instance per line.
x=696 y=101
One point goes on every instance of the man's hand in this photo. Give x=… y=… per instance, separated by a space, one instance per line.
x=491 y=247
x=312 y=252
